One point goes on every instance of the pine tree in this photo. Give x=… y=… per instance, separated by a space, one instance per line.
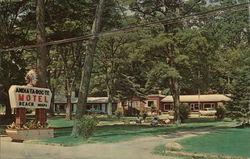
x=239 y=107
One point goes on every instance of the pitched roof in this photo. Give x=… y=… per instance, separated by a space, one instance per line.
x=201 y=98
x=90 y=100
x=156 y=95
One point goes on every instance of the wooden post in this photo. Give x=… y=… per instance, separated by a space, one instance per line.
x=20 y=116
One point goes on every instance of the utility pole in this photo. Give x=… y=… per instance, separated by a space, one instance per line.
x=87 y=68
x=248 y=22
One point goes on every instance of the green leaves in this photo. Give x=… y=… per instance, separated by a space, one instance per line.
x=239 y=107
x=87 y=126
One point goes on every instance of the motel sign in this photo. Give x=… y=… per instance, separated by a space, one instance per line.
x=29 y=97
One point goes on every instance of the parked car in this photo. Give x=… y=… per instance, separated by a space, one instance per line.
x=92 y=111
x=207 y=112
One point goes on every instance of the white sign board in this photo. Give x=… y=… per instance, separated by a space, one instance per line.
x=29 y=97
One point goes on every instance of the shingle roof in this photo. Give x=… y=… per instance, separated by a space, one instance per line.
x=91 y=100
x=201 y=98
x=156 y=95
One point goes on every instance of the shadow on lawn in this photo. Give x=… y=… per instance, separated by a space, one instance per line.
x=123 y=130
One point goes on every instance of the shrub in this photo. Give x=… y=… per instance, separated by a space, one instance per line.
x=87 y=125
x=153 y=108
x=159 y=111
x=220 y=112
x=119 y=113
x=144 y=113
x=184 y=112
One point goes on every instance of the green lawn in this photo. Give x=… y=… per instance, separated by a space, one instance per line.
x=116 y=133
x=231 y=141
x=59 y=121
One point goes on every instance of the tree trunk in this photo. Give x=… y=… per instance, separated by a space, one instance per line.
x=42 y=57
x=109 y=103
x=68 y=98
x=87 y=68
x=248 y=22
x=42 y=51
x=8 y=110
x=52 y=104
x=68 y=107
x=176 y=97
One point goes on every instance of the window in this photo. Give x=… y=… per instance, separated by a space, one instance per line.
x=136 y=104
x=124 y=103
x=168 y=107
x=195 y=106
x=208 y=105
x=150 y=103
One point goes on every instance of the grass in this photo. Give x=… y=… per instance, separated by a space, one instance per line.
x=58 y=121
x=231 y=142
x=161 y=150
x=117 y=133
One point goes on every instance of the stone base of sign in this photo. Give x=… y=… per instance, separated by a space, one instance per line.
x=30 y=134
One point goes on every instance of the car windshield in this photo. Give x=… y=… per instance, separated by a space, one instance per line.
x=210 y=109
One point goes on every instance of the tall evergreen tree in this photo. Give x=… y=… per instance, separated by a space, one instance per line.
x=239 y=107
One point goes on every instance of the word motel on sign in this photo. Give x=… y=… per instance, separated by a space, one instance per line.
x=33 y=98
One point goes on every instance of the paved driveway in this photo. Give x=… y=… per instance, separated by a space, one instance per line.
x=141 y=148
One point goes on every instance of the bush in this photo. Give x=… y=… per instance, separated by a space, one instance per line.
x=153 y=108
x=220 y=112
x=119 y=113
x=144 y=113
x=159 y=111
x=87 y=125
x=184 y=112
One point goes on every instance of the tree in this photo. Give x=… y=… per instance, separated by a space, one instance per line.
x=72 y=60
x=156 y=10
x=87 y=68
x=225 y=33
x=110 y=58
x=67 y=19
x=14 y=27
x=239 y=107
x=42 y=51
x=177 y=60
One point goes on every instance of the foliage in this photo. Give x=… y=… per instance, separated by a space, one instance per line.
x=220 y=112
x=239 y=107
x=184 y=112
x=119 y=113
x=87 y=125
x=153 y=108
x=14 y=25
x=28 y=125
x=144 y=113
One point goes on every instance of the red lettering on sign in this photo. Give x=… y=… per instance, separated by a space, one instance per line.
x=34 y=98
x=20 y=97
x=28 y=97
x=39 y=98
x=45 y=99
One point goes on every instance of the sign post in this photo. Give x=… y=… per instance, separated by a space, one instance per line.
x=22 y=97
x=20 y=117
x=31 y=97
